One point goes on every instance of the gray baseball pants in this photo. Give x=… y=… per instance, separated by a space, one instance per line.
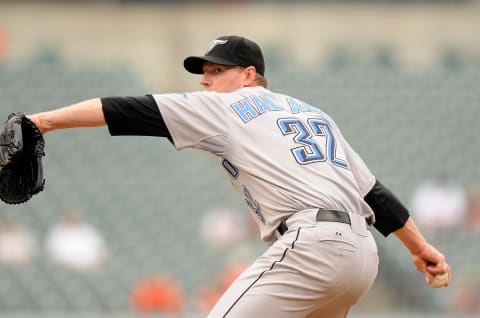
x=315 y=270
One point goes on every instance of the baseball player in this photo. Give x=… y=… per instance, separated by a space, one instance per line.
x=312 y=196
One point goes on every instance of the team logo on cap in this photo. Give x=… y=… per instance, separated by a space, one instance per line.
x=215 y=43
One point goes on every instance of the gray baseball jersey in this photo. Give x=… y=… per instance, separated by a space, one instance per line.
x=280 y=153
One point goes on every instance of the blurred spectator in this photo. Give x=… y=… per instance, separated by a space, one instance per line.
x=158 y=294
x=466 y=295
x=208 y=295
x=223 y=227
x=17 y=245
x=472 y=219
x=3 y=45
x=76 y=244
x=439 y=204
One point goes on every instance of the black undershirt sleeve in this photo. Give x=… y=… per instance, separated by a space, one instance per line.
x=390 y=213
x=134 y=116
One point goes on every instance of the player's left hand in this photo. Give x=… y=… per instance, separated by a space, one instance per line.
x=21 y=152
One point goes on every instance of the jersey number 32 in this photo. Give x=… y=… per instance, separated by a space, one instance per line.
x=310 y=150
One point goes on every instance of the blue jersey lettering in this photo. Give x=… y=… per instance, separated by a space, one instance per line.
x=245 y=110
x=260 y=103
x=271 y=104
x=296 y=106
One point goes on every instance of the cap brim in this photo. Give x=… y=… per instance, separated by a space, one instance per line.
x=194 y=64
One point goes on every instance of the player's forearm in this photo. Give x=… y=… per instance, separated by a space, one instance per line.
x=88 y=113
x=411 y=237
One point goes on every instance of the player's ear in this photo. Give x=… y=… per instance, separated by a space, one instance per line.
x=250 y=75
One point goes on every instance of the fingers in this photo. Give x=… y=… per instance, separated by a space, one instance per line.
x=429 y=277
x=439 y=280
x=431 y=262
x=439 y=269
x=435 y=269
x=449 y=271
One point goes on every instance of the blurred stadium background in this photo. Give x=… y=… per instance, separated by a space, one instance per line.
x=401 y=78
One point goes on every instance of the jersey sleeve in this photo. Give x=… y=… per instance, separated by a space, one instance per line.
x=196 y=120
x=364 y=177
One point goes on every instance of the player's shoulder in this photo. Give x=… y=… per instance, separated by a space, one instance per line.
x=229 y=97
x=252 y=89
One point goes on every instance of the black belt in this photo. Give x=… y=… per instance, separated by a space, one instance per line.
x=322 y=215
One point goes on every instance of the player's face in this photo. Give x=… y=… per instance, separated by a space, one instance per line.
x=222 y=78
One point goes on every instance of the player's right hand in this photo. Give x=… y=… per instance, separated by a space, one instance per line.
x=431 y=262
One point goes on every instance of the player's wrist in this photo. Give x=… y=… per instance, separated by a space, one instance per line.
x=418 y=248
x=39 y=122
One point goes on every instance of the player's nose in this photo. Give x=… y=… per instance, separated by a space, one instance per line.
x=204 y=81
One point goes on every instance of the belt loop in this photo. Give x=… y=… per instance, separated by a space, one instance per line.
x=359 y=225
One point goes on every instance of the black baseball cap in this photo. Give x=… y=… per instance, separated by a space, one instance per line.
x=228 y=50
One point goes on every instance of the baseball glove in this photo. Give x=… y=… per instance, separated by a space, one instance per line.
x=21 y=152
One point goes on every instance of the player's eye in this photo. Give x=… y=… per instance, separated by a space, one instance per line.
x=216 y=69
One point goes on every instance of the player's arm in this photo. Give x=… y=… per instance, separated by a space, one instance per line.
x=426 y=258
x=139 y=116
x=84 y=114
x=391 y=216
x=124 y=116
x=390 y=213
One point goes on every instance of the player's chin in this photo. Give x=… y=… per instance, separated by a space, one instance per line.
x=212 y=88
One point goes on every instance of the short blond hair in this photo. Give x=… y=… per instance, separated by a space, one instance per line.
x=261 y=80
